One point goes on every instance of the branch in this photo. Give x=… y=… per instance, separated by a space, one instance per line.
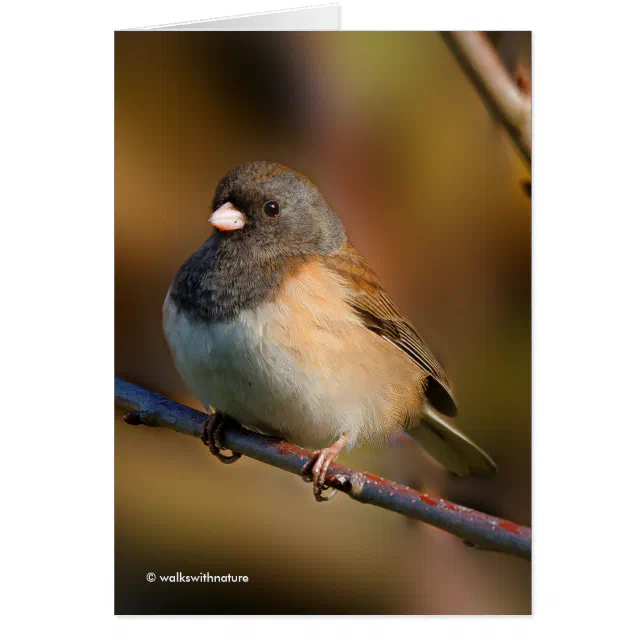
x=476 y=528
x=481 y=62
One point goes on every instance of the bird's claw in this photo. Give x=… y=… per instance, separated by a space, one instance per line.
x=211 y=436
x=315 y=470
x=316 y=467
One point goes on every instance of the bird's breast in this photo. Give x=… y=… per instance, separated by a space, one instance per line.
x=300 y=365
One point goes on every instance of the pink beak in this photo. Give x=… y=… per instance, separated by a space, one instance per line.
x=227 y=217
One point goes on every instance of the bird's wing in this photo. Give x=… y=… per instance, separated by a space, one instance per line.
x=379 y=314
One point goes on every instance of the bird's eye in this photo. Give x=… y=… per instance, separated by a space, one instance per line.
x=271 y=209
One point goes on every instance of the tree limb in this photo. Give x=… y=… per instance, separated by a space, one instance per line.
x=477 y=528
x=481 y=62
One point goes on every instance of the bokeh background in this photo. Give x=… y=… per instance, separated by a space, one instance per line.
x=431 y=192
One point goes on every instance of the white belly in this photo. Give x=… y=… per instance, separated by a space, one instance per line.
x=238 y=367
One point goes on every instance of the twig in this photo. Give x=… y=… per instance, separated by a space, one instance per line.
x=479 y=529
x=481 y=62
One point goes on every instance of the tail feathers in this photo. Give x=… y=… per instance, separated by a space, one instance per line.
x=452 y=449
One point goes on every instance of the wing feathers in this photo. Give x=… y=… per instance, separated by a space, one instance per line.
x=379 y=314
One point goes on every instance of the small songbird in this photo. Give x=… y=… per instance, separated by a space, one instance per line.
x=279 y=324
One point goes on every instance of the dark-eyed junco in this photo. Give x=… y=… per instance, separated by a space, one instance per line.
x=279 y=323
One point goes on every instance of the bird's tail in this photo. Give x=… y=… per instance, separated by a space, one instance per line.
x=452 y=449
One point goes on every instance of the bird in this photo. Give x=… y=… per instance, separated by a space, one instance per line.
x=278 y=324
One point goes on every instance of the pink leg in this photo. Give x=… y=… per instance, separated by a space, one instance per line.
x=316 y=467
x=211 y=436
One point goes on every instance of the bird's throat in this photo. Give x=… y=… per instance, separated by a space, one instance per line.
x=221 y=279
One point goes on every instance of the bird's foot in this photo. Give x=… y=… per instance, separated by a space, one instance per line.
x=211 y=435
x=316 y=467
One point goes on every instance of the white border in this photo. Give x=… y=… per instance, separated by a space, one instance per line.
x=57 y=320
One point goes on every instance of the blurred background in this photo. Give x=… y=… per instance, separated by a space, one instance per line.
x=431 y=192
